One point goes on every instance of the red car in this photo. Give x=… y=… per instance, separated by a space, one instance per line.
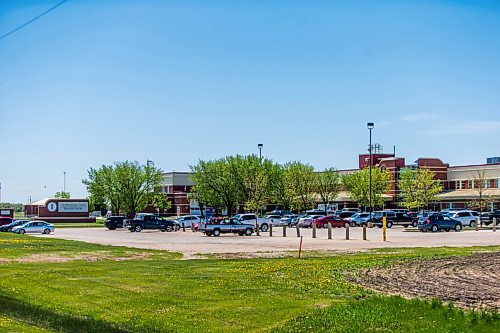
x=323 y=221
x=6 y=220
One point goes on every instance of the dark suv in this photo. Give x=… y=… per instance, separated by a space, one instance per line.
x=495 y=214
x=436 y=222
x=113 y=222
x=379 y=215
x=405 y=220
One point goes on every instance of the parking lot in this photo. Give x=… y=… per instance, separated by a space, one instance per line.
x=192 y=243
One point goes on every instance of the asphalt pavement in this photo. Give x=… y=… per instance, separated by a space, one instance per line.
x=191 y=243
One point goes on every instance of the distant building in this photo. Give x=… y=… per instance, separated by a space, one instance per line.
x=458 y=182
x=177 y=186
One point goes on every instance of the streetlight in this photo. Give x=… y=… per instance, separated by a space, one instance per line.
x=64 y=182
x=260 y=146
x=370 y=127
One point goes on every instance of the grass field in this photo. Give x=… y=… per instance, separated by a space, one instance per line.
x=51 y=285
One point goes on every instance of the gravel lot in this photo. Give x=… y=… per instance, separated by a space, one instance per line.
x=192 y=243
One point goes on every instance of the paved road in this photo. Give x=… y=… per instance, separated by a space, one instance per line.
x=190 y=243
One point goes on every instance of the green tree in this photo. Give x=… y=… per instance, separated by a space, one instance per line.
x=327 y=185
x=102 y=188
x=299 y=185
x=278 y=186
x=215 y=184
x=358 y=185
x=62 y=195
x=137 y=184
x=18 y=207
x=418 y=187
x=97 y=204
x=253 y=175
x=126 y=186
x=161 y=201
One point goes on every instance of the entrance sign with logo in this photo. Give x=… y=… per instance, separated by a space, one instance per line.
x=52 y=207
x=73 y=207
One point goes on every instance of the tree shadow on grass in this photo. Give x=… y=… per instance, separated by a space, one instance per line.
x=44 y=318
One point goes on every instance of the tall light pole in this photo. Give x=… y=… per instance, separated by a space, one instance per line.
x=64 y=182
x=370 y=127
x=260 y=146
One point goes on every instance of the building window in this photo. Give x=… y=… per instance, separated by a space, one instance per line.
x=495 y=183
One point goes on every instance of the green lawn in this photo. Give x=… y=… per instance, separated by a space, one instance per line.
x=66 y=286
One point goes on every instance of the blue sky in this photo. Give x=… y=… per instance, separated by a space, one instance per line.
x=176 y=81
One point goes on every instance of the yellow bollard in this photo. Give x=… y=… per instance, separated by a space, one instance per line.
x=384 y=228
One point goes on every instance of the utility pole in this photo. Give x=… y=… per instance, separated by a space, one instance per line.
x=260 y=146
x=370 y=127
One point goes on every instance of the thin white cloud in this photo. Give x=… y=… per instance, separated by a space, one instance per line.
x=418 y=117
x=476 y=126
x=463 y=127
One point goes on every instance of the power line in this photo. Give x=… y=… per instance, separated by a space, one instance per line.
x=32 y=20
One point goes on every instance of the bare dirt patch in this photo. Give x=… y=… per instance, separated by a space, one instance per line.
x=83 y=256
x=469 y=282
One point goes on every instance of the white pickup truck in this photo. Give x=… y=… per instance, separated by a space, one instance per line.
x=227 y=226
x=252 y=219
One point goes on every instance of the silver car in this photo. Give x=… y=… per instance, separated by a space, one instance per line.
x=306 y=221
x=287 y=220
x=360 y=219
x=41 y=227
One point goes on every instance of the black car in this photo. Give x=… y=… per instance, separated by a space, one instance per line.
x=113 y=222
x=15 y=223
x=345 y=214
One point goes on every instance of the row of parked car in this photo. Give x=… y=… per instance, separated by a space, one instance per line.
x=246 y=224
x=25 y=226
